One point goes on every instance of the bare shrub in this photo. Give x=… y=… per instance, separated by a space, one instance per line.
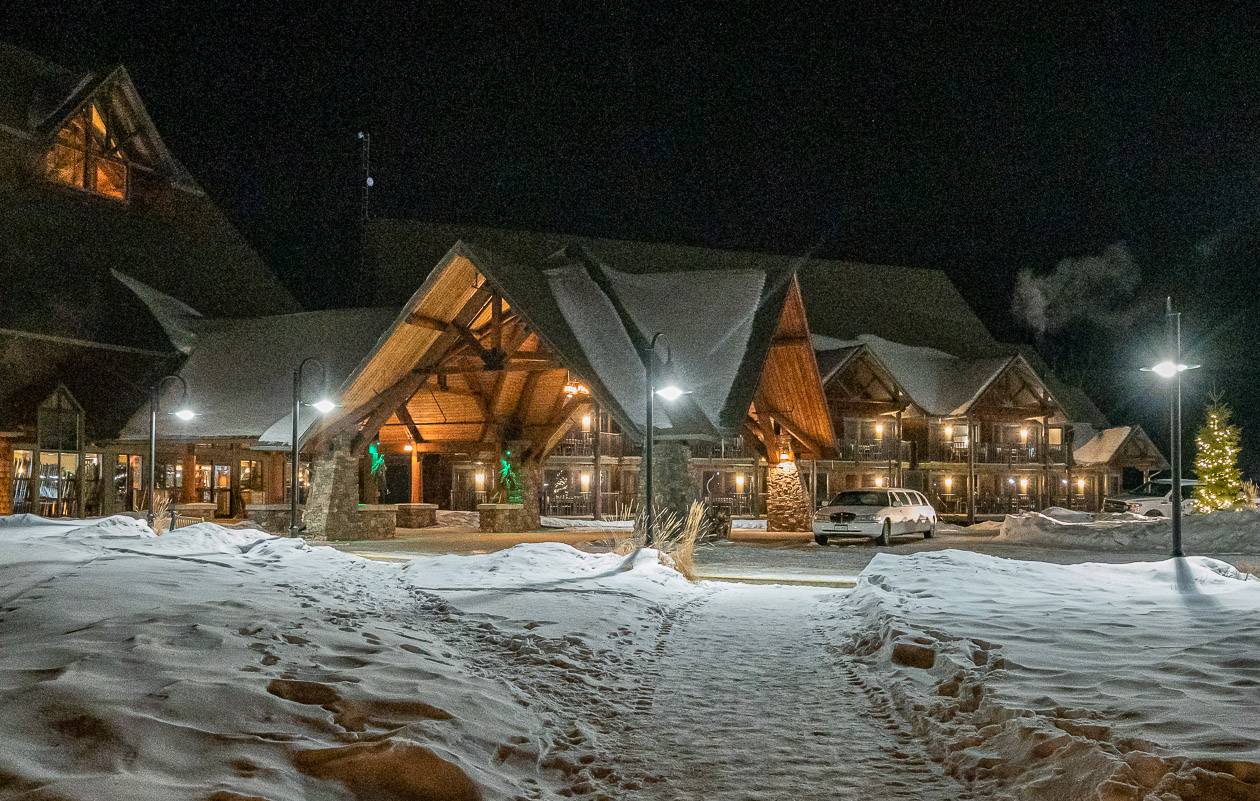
x=1250 y=570
x=161 y=513
x=673 y=536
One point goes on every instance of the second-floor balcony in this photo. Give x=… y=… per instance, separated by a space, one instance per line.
x=878 y=450
x=994 y=453
x=582 y=443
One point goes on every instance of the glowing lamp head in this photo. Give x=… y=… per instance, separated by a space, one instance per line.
x=1167 y=369
x=670 y=392
x=324 y=406
x=1080 y=484
x=409 y=447
x=1023 y=435
x=185 y=414
x=949 y=483
x=879 y=481
x=879 y=429
x=949 y=432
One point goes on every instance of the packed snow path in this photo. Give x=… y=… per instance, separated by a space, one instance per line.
x=747 y=699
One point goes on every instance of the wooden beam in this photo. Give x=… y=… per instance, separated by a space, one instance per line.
x=800 y=436
x=511 y=366
x=390 y=400
x=548 y=435
x=404 y=414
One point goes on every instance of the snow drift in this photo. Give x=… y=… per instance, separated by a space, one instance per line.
x=1226 y=532
x=223 y=665
x=1116 y=682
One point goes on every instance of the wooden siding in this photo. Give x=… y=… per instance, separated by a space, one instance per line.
x=790 y=389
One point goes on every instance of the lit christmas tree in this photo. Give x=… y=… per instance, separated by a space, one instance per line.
x=1216 y=461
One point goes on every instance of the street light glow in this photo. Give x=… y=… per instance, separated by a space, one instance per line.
x=185 y=414
x=1167 y=369
x=670 y=392
x=324 y=406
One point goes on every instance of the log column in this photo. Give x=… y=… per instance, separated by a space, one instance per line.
x=417 y=477
x=6 y=477
x=275 y=477
x=188 y=491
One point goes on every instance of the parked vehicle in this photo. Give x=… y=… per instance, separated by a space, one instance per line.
x=877 y=512
x=1153 y=499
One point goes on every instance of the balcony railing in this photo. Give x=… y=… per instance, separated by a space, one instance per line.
x=994 y=453
x=725 y=448
x=874 y=451
x=582 y=443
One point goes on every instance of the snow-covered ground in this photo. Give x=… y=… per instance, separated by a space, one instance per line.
x=1112 y=681
x=226 y=665
x=1217 y=533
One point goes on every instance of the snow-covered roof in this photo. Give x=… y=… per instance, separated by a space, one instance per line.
x=240 y=372
x=1104 y=447
x=939 y=383
x=706 y=317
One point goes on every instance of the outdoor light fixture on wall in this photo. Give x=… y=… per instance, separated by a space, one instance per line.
x=949 y=431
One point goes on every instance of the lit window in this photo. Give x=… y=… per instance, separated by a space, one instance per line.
x=87 y=155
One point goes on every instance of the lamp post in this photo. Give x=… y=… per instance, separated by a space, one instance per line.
x=1172 y=368
x=183 y=413
x=669 y=392
x=323 y=406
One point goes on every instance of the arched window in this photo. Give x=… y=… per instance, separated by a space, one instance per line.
x=88 y=154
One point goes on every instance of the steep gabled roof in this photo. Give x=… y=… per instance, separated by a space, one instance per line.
x=1121 y=446
x=240 y=372
x=58 y=245
x=939 y=383
x=844 y=299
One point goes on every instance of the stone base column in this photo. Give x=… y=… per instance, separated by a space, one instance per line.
x=333 y=499
x=531 y=476
x=6 y=477
x=787 y=503
x=671 y=477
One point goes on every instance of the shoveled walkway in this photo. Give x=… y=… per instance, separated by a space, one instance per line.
x=748 y=700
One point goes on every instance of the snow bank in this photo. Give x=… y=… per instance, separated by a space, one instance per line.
x=1215 y=533
x=1133 y=681
x=224 y=664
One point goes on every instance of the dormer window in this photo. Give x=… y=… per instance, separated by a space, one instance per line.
x=88 y=154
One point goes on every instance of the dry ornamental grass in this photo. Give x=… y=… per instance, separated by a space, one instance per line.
x=674 y=537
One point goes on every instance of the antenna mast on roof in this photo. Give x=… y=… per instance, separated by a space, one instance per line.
x=366 y=280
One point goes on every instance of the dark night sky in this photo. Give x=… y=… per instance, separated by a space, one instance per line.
x=979 y=145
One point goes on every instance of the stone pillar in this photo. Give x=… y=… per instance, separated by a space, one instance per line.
x=6 y=477
x=788 y=507
x=671 y=477
x=333 y=499
x=531 y=478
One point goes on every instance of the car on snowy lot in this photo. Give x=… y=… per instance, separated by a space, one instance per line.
x=1153 y=499
x=876 y=512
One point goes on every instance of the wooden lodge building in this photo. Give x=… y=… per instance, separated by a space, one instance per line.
x=90 y=197
x=802 y=376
